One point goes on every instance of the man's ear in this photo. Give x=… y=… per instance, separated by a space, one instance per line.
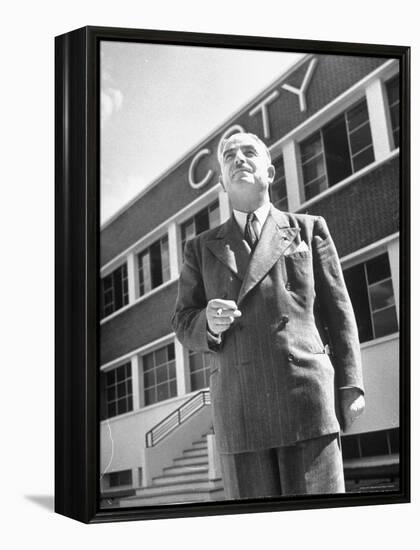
x=222 y=183
x=271 y=172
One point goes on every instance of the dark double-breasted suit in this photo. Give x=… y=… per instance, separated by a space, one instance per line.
x=273 y=378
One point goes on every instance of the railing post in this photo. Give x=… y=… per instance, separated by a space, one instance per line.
x=179 y=416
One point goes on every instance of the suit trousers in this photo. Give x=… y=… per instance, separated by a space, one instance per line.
x=313 y=466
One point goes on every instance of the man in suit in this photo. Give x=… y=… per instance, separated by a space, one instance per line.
x=264 y=293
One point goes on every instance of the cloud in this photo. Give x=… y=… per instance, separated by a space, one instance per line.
x=116 y=193
x=111 y=102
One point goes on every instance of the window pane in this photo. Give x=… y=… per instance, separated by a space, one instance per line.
x=378 y=268
x=357 y=115
x=156 y=264
x=195 y=362
x=149 y=378
x=393 y=90
x=172 y=388
x=356 y=285
x=315 y=188
x=145 y=284
x=110 y=393
x=360 y=139
x=121 y=392
x=381 y=295
x=197 y=381
x=374 y=443
x=310 y=147
x=385 y=322
x=313 y=169
x=350 y=447
x=121 y=373
x=171 y=370
x=337 y=154
x=148 y=362
x=160 y=356
x=112 y=409
x=187 y=230
x=363 y=159
x=164 y=247
x=161 y=374
x=214 y=215
x=110 y=377
x=149 y=397
x=162 y=392
x=201 y=221
x=122 y=406
x=171 y=351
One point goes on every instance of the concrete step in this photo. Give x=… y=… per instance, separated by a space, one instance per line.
x=191 y=461
x=179 y=478
x=176 y=470
x=178 y=488
x=204 y=496
x=200 y=444
x=195 y=452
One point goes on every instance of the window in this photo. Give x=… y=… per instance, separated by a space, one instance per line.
x=118 y=479
x=153 y=266
x=384 y=442
x=339 y=149
x=159 y=375
x=118 y=390
x=199 y=370
x=207 y=218
x=370 y=288
x=393 y=93
x=278 y=189
x=114 y=290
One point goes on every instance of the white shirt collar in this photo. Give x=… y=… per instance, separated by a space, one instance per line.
x=261 y=213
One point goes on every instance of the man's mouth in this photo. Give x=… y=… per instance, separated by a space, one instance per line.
x=241 y=170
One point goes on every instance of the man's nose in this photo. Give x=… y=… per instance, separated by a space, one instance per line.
x=239 y=158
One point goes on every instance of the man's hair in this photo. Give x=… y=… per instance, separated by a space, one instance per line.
x=253 y=136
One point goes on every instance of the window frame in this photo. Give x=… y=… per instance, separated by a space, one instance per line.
x=343 y=112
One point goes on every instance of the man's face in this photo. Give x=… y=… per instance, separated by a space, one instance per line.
x=246 y=172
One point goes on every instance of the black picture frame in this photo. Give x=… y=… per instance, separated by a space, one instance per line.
x=77 y=273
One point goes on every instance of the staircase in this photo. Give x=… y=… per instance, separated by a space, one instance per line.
x=186 y=480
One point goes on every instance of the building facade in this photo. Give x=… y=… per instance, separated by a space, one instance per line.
x=332 y=126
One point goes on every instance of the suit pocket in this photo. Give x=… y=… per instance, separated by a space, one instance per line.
x=300 y=271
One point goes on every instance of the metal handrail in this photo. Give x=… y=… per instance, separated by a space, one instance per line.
x=177 y=417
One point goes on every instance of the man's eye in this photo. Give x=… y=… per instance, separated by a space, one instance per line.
x=251 y=153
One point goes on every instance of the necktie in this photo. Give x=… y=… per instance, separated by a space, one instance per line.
x=250 y=233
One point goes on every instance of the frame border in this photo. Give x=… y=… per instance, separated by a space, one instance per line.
x=77 y=230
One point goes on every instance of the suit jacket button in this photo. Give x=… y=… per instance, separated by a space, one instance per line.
x=288 y=286
x=285 y=319
x=291 y=357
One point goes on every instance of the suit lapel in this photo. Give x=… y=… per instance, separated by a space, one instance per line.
x=275 y=237
x=230 y=248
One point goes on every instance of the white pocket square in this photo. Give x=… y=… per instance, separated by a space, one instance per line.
x=301 y=247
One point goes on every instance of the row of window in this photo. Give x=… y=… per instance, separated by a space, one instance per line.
x=329 y=155
x=153 y=263
x=338 y=149
x=371 y=292
x=159 y=380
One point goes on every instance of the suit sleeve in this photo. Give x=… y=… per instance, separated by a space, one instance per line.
x=189 y=320
x=336 y=308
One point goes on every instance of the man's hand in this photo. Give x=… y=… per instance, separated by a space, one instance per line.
x=221 y=314
x=352 y=405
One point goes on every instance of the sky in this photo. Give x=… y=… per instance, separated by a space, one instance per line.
x=158 y=102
